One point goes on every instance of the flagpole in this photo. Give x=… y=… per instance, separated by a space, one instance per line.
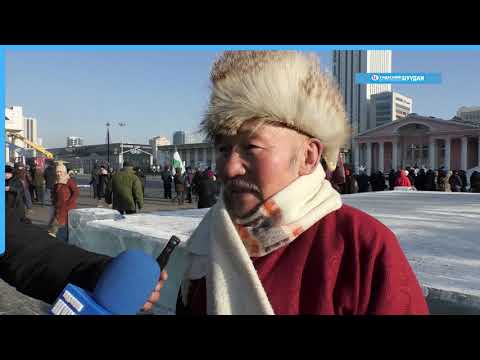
x=108 y=144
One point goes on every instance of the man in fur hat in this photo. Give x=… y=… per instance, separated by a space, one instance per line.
x=279 y=240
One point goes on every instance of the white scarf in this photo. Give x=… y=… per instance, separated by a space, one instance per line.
x=221 y=254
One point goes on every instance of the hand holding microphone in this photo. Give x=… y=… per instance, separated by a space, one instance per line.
x=127 y=281
x=155 y=296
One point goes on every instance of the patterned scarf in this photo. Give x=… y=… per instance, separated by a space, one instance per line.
x=221 y=250
x=286 y=215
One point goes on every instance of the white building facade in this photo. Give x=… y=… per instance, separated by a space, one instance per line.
x=389 y=106
x=27 y=127
x=469 y=114
x=155 y=143
x=73 y=141
x=194 y=138
x=200 y=155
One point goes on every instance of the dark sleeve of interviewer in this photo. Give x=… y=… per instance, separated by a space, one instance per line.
x=41 y=266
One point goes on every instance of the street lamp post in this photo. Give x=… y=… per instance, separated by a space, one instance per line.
x=108 y=143
x=121 y=124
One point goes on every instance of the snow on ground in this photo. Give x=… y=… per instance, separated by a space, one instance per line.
x=439 y=232
x=158 y=226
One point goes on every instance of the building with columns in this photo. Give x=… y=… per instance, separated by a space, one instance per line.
x=418 y=141
x=195 y=155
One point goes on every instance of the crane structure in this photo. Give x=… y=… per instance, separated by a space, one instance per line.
x=14 y=134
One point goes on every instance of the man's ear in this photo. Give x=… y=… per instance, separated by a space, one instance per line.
x=312 y=153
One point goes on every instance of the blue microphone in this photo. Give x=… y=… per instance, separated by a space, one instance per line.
x=122 y=289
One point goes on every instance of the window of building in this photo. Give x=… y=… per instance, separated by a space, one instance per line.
x=401 y=107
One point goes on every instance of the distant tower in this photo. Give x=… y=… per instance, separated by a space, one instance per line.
x=178 y=138
x=74 y=141
x=346 y=64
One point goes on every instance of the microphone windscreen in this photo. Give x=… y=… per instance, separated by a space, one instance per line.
x=127 y=282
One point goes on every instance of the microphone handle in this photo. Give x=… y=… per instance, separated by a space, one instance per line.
x=163 y=258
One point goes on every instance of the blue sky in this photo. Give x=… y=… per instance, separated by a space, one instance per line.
x=74 y=93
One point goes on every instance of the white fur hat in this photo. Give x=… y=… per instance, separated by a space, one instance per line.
x=287 y=87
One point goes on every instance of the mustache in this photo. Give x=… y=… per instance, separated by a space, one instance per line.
x=241 y=185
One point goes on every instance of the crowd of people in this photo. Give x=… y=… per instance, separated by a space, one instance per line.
x=194 y=185
x=124 y=189
x=418 y=179
x=54 y=186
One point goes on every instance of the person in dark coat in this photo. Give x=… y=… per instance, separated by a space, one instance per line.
x=363 y=182
x=124 y=191
x=21 y=177
x=167 y=183
x=179 y=181
x=439 y=176
x=189 y=184
x=30 y=174
x=49 y=175
x=373 y=181
x=475 y=182
x=207 y=191
x=378 y=183
x=384 y=181
x=391 y=179
x=455 y=182
x=102 y=182
x=350 y=186
x=463 y=177
x=420 y=180
x=197 y=177
x=14 y=195
x=39 y=184
x=94 y=180
x=430 y=181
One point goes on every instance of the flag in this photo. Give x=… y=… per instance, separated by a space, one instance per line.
x=177 y=162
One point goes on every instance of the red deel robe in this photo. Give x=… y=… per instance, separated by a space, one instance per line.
x=65 y=199
x=347 y=263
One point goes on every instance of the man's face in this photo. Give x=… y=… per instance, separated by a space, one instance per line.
x=59 y=173
x=254 y=167
x=8 y=176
